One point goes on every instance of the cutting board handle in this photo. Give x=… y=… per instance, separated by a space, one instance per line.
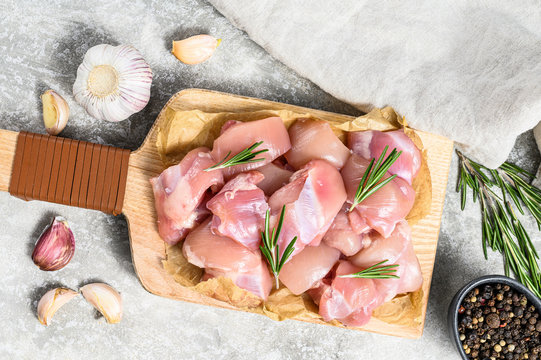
x=65 y=171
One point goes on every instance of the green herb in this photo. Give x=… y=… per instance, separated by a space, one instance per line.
x=497 y=191
x=375 y=272
x=246 y=156
x=270 y=247
x=370 y=182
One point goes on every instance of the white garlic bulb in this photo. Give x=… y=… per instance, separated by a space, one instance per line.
x=113 y=82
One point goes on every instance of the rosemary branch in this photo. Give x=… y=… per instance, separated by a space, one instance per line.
x=270 y=247
x=370 y=182
x=246 y=156
x=501 y=229
x=375 y=272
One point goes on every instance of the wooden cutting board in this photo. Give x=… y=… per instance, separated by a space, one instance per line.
x=110 y=169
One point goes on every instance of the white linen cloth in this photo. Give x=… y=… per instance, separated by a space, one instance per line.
x=468 y=70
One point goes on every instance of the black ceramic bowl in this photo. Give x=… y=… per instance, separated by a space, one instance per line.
x=452 y=316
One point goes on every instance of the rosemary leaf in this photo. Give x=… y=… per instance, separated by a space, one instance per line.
x=371 y=180
x=500 y=192
x=270 y=248
x=246 y=156
x=375 y=271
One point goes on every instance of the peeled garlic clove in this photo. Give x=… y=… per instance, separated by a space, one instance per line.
x=52 y=301
x=55 y=246
x=105 y=299
x=55 y=112
x=113 y=82
x=195 y=49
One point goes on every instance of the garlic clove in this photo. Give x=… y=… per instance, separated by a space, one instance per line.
x=55 y=246
x=113 y=82
x=195 y=49
x=105 y=299
x=52 y=301
x=55 y=112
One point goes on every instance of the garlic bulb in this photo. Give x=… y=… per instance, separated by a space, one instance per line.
x=55 y=246
x=105 y=299
x=55 y=112
x=52 y=301
x=113 y=82
x=195 y=49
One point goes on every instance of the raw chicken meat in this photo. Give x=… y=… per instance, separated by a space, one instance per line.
x=239 y=210
x=205 y=249
x=357 y=223
x=222 y=256
x=349 y=300
x=179 y=191
x=314 y=139
x=370 y=144
x=275 y=178
x=313 y=197
x=381 y=248
x=412 y=278
x=384 y=208
x=258 y=281
x=342 y=237
x=397 y=249
x=237 y=136
x=308 y=267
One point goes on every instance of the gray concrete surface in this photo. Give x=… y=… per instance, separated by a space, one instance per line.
x=41 y=46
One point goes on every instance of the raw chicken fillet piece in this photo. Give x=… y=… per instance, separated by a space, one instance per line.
x=179 y=192
x=275 y=177
x=381 y=248
x=223 y=256
x=396 y=249
x=343 y=237
x=237 y=136
x=312 y=199
x=239 y=210
x=387 y=206
x=257 y=281
x=309 y=266
x=370 y=144
x=349 y=300
x=314 y=139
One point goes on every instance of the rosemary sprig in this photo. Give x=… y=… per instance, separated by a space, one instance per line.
x=270 y=247
x=374 y=173
x=246 y=156
x=499 y=192
x=375 y=272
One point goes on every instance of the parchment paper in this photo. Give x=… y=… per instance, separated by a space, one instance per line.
x=185 y=130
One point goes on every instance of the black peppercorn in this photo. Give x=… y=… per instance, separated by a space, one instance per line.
x=493 y=320
x=487 y=292
x=497 y=322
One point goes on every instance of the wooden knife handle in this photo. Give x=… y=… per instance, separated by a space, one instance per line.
x=65 y=171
